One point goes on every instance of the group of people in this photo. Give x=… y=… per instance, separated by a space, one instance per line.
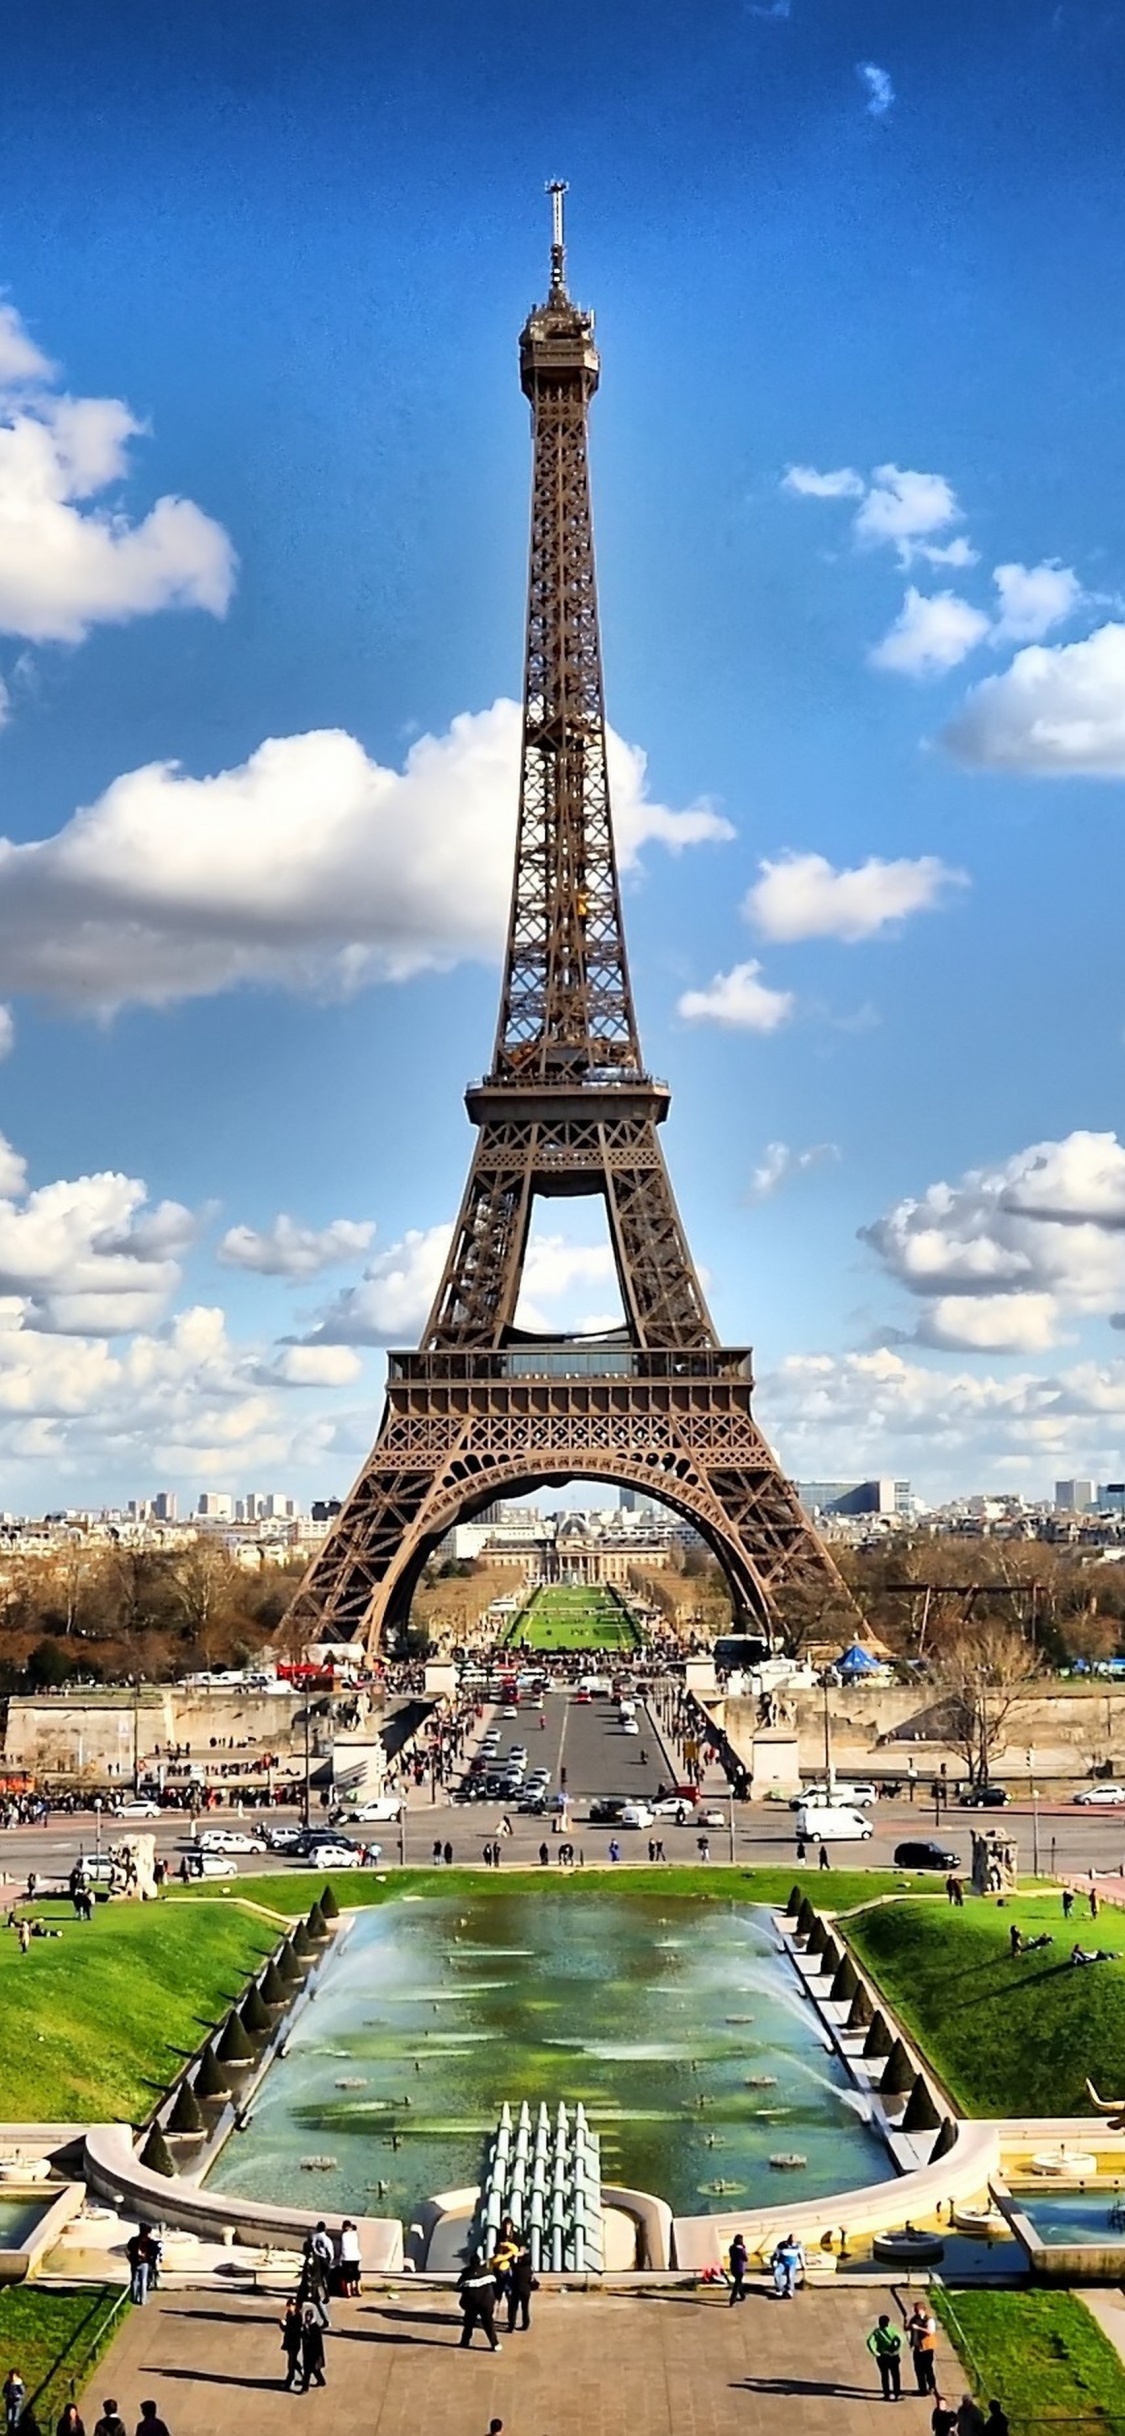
x=787 y=2265
x=885 y=2343
x=487 y=2278
x=328 y=2266
x=19 y=2414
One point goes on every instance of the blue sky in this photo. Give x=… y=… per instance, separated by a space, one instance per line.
x=861 y=526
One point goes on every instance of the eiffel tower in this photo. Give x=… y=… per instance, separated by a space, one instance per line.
x=483 y=1409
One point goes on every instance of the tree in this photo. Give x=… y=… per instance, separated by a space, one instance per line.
x=981 y=1675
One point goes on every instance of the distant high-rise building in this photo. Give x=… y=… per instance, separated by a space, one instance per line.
x=855 y=1496
x=1074 y=1496
x=165 y=1506
x=1111 y=1497
x=215 y=1505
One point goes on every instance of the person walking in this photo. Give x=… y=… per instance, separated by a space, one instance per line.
x=521 y=2284
x=970 y=2417
x=71 y=2422
x=997 y=2423
x=943 y=2417
x=1067 y=1901
x=350 y=2262
x=739 y=2260
x=885 y=2345
x=292 y=2326
x=921 y=2334
x=15 y=2395
x=138 y=2251
x=111 y=2423
x=788 y=2262
x=476 y=2286
x=319 y=2261
x=312 y=2353
x=150 y=2422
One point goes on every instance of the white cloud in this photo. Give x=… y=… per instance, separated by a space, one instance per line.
x=958 y=553
x=904 y=506
x=740 y=1000
x=391 y=1304
x=780 y=1163
x=1057 y=712
x=932 y=633
x=86 y=1256
x=880 y=91
x=1004 y=1256
x=802 y=897
x=67 y=565
x=7 y=1031
x=288 y=1250
x=806 y=483
x=310 y=867
x=314 y=1366
x=1033 y=599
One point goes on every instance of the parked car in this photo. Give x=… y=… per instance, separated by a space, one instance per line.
x=983 y=1797
x=926 y=1854
x=1098 y=1797
x=606 y=1810
x=340 y=1856
x=635 y=1814
x=833 y=1823
x=138 y=1810
x=230 y=1839
x=710 y=1818
x=854 y=1797
x=629 y=1725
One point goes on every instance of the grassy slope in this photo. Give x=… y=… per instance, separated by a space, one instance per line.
x=562 y=1618
x=54 y=2339
x=93 y=2027
x=1007 y=2036
x=1040 y=2353
x=290 y=1893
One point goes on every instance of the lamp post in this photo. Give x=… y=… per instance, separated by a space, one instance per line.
x=308 y=1761
x=1034 y=1816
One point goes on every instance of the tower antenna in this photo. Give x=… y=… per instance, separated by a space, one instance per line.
x=557 y=188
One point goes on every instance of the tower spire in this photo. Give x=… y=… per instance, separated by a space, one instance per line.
x=557 y=189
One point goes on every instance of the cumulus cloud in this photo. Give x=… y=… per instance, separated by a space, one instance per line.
x=903 y=507
x=87 y=1256
x=392 y=1302
x=802 y=897
x=1003 y=1257
x=313 y=1366
x=1057 y=712
x=1033 y=599
x=67 y=564
x=932 y=633
x=740 y=1000
x=288 y=1250
x=878 y=87
x=806 y=483
x=309 y=866
x=780 y=1163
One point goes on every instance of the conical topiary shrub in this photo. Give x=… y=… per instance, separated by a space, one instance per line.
x=301 y=1942
x=830 y=1956
x=210 y=2080
x=818 y=1936
x=290 y=1970
x=921 y=2113
x=805 y=1918
x=272 y=1987
x=252 y=2013
x=946 y=2139
x=796 y=1899
x=878 y=2039
x=185 y=2116
x=329 y=1908
x=317 y=1925
x=233 y=2047
x=845 y=1983
x=898 y=2073
x=863 y=2011
x=156 y=2153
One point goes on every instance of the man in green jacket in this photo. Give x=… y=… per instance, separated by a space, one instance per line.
x=885 y=2345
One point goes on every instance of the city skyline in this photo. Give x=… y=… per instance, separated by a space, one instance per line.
x=263 y=476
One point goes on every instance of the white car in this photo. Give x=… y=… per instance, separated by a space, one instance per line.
x=629 y=1725
x=509 y=1709
x=340 y=1856
x=230 y=1839
x=635 y=1814
x=139 y=1810
x=378 y=1813
x=1101 y=1797
x=823 y=1797
x=711 y=1818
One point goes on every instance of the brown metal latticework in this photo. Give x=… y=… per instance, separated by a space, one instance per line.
x=482 y=1410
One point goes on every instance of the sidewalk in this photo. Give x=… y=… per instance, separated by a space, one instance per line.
x=679 y=2363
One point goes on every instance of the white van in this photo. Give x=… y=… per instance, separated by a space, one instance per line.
x=833 y=1823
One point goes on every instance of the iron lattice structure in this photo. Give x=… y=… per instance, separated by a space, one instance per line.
x=483 y=1410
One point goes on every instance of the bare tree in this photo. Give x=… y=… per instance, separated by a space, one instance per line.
x=981 y=1675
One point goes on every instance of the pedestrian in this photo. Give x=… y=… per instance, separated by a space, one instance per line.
x=476 y=2286
x=1015 y=1941
x=291 y=2330
x=138 y=2251
x=71 y=2422
x=312 y=2353
x=738 y=2261
x=544 y=1856
x=614 y=1849
x=350 y=2262
x=150 y=2422
x=802 y=1849
x=788 y=2262
x=885 y=2345
x=970 y=2417
x=1067 y=1901
x=111 y=2423
x=824 y=1861
x=943 y=2417
x=436 y=1855
x=448 y=1855
x=951 y=1889
x=1093 y=1902
x=921 y=2334
x=521 y=2285
x=996 y=2423
x=24 y=1933
x=660 y=1854
x=317 y=2262
x=15 y=2394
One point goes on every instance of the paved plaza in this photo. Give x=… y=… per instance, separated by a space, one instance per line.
x=669 y=2363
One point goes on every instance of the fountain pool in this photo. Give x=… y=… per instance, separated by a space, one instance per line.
x=680 y=2026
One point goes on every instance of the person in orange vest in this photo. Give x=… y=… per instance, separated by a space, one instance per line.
x=921 y=2334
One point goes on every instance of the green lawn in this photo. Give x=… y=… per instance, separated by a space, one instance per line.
x=292 y=1892
x=54 y=2340
x=1041 y=2354
x=1007 y=2036
x=565 y=1617
x=93 y=2026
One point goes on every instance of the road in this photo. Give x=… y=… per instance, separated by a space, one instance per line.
x=599 y=1758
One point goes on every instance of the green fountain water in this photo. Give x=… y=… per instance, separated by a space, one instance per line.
x=680 y=2026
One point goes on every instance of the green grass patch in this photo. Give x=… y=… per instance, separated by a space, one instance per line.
x=55 y=2339
x=566 y=1617
x=1040 y=2353
x=1008 y=2035
x=291 y=1892
x=94 y=2025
